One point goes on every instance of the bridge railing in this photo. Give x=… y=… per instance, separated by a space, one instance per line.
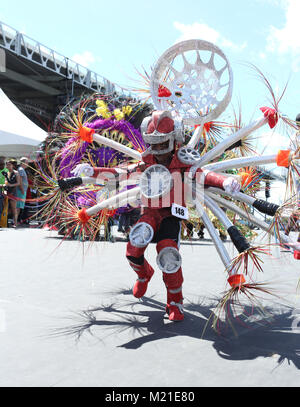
x=34 y=51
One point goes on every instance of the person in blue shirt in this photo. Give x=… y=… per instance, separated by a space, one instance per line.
x=22 y=189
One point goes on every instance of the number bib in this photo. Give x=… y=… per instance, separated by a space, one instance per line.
x=180 y=211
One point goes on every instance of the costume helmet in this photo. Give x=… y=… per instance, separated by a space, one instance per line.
x=161 y=127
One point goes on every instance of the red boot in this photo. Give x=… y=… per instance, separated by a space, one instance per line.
x=174 y=305
x=145 y=272
x=175 y=311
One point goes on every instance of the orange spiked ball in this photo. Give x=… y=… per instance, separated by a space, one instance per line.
x=236 y=280
x=83 y=216
x=86 y=134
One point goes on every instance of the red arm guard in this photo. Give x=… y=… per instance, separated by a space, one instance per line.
x=212 y=179
x=104 y=172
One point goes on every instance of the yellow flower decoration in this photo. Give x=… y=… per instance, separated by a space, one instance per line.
x=127 y=110
x=107 y=115
x=101 y=103
x=118 y=114
x=102 y=109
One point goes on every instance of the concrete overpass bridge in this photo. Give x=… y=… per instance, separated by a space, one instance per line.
x=39 y=80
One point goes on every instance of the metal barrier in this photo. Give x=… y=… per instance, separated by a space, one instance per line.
x=25 y=47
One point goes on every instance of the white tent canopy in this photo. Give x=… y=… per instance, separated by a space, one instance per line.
x=19 y=136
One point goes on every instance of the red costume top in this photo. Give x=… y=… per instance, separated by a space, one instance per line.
x=179 y=191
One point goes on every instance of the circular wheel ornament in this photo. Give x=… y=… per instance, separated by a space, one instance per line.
x=193 y=80
x=141 y=234
x=169 y=260
x=188 y=155
x=156 y=181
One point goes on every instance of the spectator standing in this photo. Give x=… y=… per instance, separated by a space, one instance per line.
x=3 y=170
x=13 y=180
x=22 y=189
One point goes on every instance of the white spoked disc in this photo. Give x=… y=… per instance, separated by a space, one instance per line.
x=192 y=79
x=141 y=234
x=169 y=260
x=155 y=181
x=188 y=155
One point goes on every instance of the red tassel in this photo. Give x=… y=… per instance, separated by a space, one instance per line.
x=207 y=126
x=163 y=92
x=271 y=114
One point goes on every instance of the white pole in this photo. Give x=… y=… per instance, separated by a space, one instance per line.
x=117 y=146
x=241 y=162
x=119 y=199
x=221 y=147
x=196 y=136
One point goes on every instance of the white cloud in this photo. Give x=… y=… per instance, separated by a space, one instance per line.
x=204 y=32
x=86 y=58
x=285 y=41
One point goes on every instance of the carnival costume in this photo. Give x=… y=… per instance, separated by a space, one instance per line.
x=192 y=95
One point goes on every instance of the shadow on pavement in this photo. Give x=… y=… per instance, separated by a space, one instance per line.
x=244 y=338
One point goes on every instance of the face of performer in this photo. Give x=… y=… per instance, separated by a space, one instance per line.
x=161 y=158
x=161 y=146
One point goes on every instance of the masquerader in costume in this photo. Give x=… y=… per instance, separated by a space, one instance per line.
x=162 y=209
x=170 y=173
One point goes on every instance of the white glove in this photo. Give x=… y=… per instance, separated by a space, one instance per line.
x=231 y=185
x=102 y=195
x=83 y=170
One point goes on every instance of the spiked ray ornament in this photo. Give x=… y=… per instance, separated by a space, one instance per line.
x=231 y=301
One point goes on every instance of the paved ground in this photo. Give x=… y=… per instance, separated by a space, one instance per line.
x=70 y=320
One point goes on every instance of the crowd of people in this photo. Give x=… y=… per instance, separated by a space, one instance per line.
x=16 y=187
x=14 y=190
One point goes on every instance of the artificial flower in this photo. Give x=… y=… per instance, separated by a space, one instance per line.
x=106 y=114
x=127 y=110
x=118 y=114
x=101 y=103
x=102 y=109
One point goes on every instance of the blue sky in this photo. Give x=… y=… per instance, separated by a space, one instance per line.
x=112 y=38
